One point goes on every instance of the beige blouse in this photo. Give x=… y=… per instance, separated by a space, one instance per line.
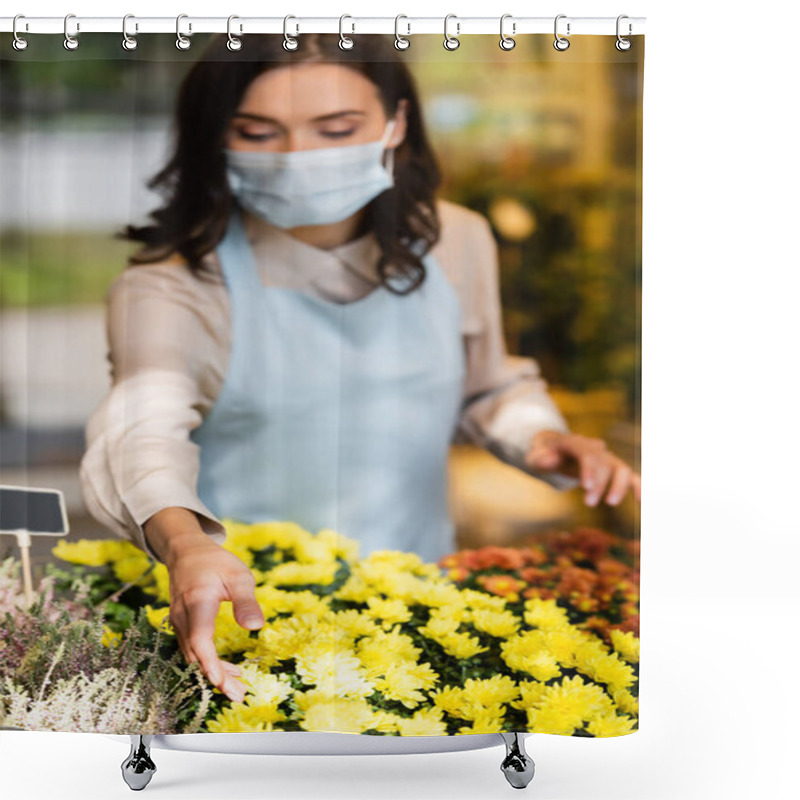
x=168 y=341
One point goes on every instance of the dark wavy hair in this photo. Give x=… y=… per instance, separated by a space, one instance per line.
x=198 y=201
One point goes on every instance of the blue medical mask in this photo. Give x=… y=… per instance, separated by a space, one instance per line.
x=310 y=187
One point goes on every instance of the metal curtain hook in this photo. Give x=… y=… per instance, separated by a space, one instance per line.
x=19 y=43
x=399 y=42
x=621 y=43
x=70 y=42
x=289 y=43
x=128 y=42
x=506 y=42
x=234 y=43
x=182 y=42
x=451 y=42
x=345 y=42
x=561 y=43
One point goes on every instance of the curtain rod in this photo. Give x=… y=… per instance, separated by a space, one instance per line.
x=406 y=25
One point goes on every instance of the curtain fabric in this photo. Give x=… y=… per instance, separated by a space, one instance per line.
x=344 y=415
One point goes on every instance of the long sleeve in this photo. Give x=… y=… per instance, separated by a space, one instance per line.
x=506 y=397
x=166 y=361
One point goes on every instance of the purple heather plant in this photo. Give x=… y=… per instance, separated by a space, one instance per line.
x=59 y=671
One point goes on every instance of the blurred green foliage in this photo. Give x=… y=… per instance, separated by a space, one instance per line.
x=62 y=268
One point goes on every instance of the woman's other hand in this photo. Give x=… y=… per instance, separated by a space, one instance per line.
x=201 y=575
x=587 y=458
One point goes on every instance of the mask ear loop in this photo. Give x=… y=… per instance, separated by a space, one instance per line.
x=390 y=151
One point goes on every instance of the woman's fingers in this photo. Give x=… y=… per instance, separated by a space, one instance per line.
x=202 y=614
x=619 y=484
x=636 y=482
x=592 y=457
x=246 y=608
x=178 y=621
x=543 y=456
x=601 y=472
x=597 y=466
x=229 y=671
x=586 y=463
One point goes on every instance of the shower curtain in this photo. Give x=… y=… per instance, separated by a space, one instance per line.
x=333 y=356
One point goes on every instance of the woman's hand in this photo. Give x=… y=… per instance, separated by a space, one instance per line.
x=201 y=575
x=587 y=458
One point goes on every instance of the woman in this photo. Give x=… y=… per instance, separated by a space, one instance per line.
x=304 y=331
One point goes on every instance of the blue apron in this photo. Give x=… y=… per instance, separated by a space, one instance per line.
x=336 y=415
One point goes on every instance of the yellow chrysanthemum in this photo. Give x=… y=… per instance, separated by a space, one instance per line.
x=94 y=552
x=384 y=721
x=458 y=612
x=563 y=643
x=573 y=694
x=611 y=725
x=277 y=601
x=340 y=546
x=541 y=665
x=241 y=551
x=309 y=549
x=161 y=578
x=462 y=645
x=355 y=589
x=110 y=638
x=553 y=720
x=384 y=648
x=405 y=586
x=159 y=618
x=392 y=560
x=258 y=536
x=354 y=623
x=425 y=722
x=430 y=571
x=237 y=534
x=241 y=718
x=385 y=581
x=483 y=601
x=294 y=573
x=337 y=672
x=545 y=614
x=229 y=636
x=283 y=638
x=450 y=699
x=322 y=712
x=529 y=652
x=486 y=720
x=531 y=693
x=438 y=628
x=500 y=624
x=441 y=595
x=626 y=702
x=607 y=668
x=132 y=568
x=490 y=691
x=626 y=644
x=405 y=682
x=264 y=688
x=389 y=611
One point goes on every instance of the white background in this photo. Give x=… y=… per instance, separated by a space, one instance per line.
x=720 y=603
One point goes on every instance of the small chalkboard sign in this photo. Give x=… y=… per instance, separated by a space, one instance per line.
x=26 y=512
x=38 y=511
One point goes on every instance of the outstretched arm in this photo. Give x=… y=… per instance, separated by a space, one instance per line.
x=139 y=458
x=506 y=399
